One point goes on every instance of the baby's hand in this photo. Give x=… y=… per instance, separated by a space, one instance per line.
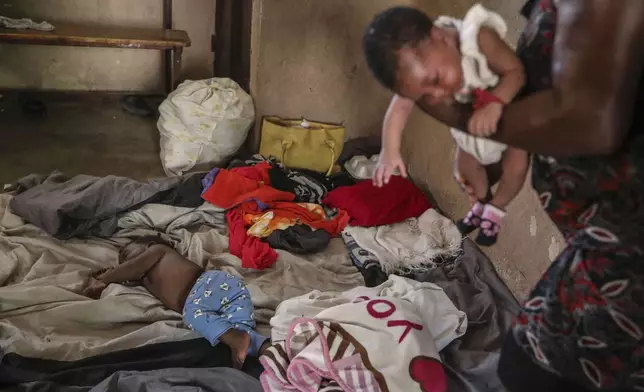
x=95 y=289
x=485 y=120
x=388 y=162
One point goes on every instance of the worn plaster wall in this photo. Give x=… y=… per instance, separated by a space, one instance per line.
x=67 y=68
x=307 y=62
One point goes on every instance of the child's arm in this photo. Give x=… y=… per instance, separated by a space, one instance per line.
x=392 y=128
x=504 y=62
x=134 y=269
x=131 y=270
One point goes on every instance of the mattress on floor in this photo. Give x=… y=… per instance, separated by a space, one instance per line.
x=42 y=314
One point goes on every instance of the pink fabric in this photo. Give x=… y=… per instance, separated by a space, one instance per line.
x=493 y=214
x=491 y=220
x=283 y=370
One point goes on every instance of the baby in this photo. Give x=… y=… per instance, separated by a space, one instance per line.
x=215 y=304
x=441 y=61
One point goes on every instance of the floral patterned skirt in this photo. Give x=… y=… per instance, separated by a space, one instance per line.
x=584 y=320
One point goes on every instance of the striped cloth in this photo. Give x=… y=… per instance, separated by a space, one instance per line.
x=319 y=356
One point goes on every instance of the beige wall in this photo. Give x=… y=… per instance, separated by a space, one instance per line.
x=307 y=62
x=104 y=69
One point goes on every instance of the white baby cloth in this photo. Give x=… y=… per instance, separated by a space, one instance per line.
x=477 y=74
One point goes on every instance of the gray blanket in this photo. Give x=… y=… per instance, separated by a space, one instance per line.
x=472 y=283
x=193 y=380
x=197 y=380
x=85 y=206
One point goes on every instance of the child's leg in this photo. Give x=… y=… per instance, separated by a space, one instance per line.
x=515 y=168
x=474 y=179
x=207 y=312
x=239 y=312
x=472 y=173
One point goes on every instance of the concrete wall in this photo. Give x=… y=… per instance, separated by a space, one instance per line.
x=98 y=68
x=307 y=62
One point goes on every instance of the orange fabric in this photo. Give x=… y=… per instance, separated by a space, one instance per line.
x=306 y=213
x=263 y=225
x=231 y=189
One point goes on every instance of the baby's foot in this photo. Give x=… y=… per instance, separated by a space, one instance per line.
x=472 y=220
x=490 y=225
x=239 y=342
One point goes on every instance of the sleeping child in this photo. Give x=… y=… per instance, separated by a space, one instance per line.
x=444 y=60
x=215 y=304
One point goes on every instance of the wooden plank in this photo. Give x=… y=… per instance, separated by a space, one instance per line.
x=168 y=67
x=224 y=25
x=232 y=40
x=99 y=36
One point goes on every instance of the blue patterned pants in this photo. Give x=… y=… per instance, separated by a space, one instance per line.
x=218 y=302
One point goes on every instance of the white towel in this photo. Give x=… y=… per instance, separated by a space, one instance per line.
x=412 y=245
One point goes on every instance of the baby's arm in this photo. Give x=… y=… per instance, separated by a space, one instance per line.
x=131 y=270
x=504 y=62
x=135 y=268
x=392 y=128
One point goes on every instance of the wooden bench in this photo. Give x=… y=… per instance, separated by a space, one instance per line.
x=171 y=41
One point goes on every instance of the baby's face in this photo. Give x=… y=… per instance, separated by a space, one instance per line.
x=432 y=70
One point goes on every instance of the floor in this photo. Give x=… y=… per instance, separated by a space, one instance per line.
x=80 y=134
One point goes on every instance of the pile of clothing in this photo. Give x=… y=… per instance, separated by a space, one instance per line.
x=271 y=207
x=382 y=338
x=393 y=229
x=267 y=207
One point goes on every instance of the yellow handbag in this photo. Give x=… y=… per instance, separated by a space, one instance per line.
x=302 y=144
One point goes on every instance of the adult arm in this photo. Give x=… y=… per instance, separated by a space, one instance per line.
x=597 y=65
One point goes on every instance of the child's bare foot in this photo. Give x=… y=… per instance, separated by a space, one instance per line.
x=239 y=342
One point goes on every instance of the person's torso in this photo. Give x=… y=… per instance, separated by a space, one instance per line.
x=595 y=196
x=171 y=279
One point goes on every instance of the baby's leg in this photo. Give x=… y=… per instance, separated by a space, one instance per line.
x=473 y=176
x=239 y=343
x=240 y=313
x=207 y=312
x=515 y=167
x=472 y=173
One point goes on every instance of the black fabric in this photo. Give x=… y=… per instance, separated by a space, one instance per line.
x=84 y=206
x=366 y=146
x=366 y=262
x=527 y=8
x=519 y=373
x=308 y=186
x=196 y=353
x=299 y=239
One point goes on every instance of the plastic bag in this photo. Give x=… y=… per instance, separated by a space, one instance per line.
x=203 y=123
